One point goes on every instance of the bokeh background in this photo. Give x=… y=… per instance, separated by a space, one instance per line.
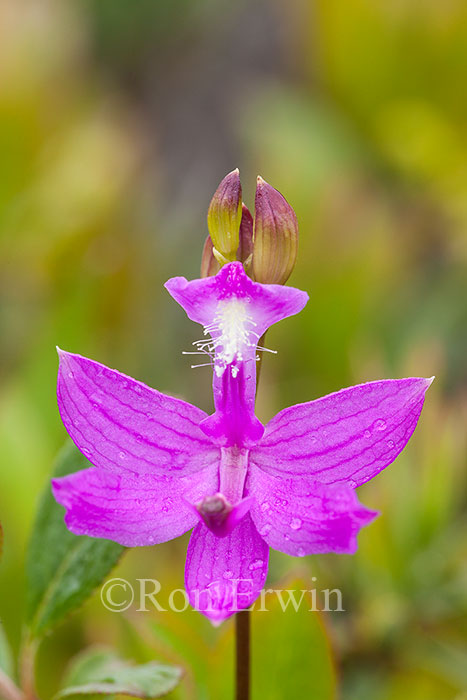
x=117 y=121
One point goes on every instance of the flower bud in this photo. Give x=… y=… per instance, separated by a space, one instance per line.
x=275 y=240
x=209 y=265
x=245 y=246
x=224 y=216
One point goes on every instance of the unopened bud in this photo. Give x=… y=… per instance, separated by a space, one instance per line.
x=209 y=264
x=245 y=245
x=275 y=236
x=224 y=216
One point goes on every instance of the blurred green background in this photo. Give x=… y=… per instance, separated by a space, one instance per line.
x=117 y=121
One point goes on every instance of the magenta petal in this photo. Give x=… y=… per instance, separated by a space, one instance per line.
x=130 y=509
x=302 y=516
x=120 y=424
x=349 y=436
x=267 y=303
x=225 y=574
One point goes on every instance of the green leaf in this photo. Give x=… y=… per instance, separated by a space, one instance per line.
x=101 y=672
x=62 y=569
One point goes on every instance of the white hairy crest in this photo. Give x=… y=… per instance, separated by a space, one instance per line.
x=232 y=336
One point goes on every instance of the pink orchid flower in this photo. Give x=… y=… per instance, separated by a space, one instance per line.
x=163 y=467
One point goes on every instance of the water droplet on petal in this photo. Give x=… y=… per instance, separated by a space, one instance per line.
x=257 y=564
x=313 y=440
x=390 y=444
x=367 y=434
x=265 y=530
x=380 y=425
x=300 y=552
x=70 y=374
x=265 y=506
x=286 y=537
x=295 y=524
x=121 y=455
x=227 y=574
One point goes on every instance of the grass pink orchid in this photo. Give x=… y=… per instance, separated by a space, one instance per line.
x=162 y=466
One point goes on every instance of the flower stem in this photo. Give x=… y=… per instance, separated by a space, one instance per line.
x=242 y=619
x=242 y=650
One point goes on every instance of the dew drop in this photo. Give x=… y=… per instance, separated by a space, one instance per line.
x=300 y=552
x=121 y=455
x=286 y=537
x=227 y=574
x=265 y=530
x=277 y=501
x=70 y=374
x=257 y=564
x=295 y=524
x=313 y=440
x=367 y=434
x=149 y=415
x=380 y=425
x=391 y=444
x=265 y=506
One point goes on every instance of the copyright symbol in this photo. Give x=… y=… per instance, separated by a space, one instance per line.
x=117 y=595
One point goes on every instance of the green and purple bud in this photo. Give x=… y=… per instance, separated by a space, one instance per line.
x=245 y=245
x=275 y=240
x=210 y=266
x=224 y=217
